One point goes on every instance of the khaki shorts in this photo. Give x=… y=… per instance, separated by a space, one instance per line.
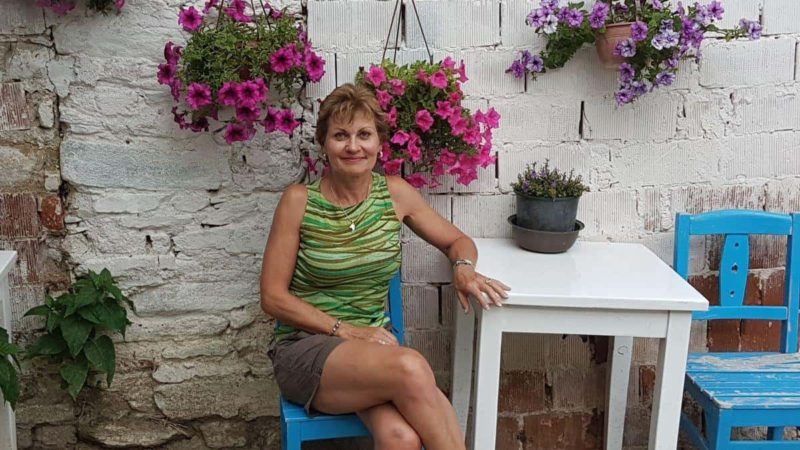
x=298 y=360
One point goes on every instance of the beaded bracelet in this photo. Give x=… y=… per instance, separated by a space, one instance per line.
x=335 y=327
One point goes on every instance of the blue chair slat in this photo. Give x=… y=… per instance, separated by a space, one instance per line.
x=744 y=389
x=298 y=427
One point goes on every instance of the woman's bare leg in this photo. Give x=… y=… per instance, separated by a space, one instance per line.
x=389 y=428
x=359 y=375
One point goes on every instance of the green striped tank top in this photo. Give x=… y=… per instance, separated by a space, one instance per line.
x=347 y=256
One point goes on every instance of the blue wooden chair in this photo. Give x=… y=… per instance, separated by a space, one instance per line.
x=738 y=389
x=297 y=427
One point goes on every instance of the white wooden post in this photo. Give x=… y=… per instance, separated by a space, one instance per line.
x=8 y=422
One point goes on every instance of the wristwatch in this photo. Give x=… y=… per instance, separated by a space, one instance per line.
x=463 y=262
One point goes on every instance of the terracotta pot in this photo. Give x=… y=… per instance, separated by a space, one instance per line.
x=607 y=42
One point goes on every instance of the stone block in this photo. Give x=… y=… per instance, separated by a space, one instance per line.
x=130 y=431
x=55 y=435
x=115 y=202
x=332 y=24
x=202 y=367
x=444 y=23
x=781 y=17
x=747 y=63
x=227 y=397
x=224 y=433
x=534 y=117
x=157 y=328
x=195 y=297
x=651 y=118
x=20 y=169
x=21 y=17
x=484 y=216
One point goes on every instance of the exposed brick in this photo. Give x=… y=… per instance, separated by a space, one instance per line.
x=696 y=199
x=509 y=434
x=13 y=107
x=18 y=216
x=523 y=392
x=578 y=389
x=647 y=381
x=724 y=335
x=34 y=265
x=568 y=431
x=52 y=213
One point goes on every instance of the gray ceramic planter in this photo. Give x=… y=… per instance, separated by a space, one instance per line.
x=547 y=214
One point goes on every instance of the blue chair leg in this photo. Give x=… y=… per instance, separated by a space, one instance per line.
x=290 y=436
x=775 y=434
x=718 y=429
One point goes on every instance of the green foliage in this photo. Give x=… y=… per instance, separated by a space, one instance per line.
x=76 y=326
x=9 y=384
x=548 y=183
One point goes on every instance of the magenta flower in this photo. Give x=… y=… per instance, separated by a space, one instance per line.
x=166 y=73
x=400 y=137
x=492 y=118
x=281 y=61
x=462 y=72
x=315 y=66
x=198 y=95
x=458 y=125
x=449 y=63
x=422 y=76
x=391 y=117
x=179 y=118
x=228 y=94
x=119 y=4
x=248 y=112
x=60 y=7
x=424 y=120
x=262 y=87
x=199 y=125
x=398 y=87
x=236 y=132
x=417 y=180
x=270 y=121
x=375 y=75
x=443 y=109
x=209 y=5
x=472 y=136
x=439 y=79
x=251 y=93
x=384 y=98
x=455 y=96
x=393 y=166
x=175 y=88
x=413 y=149
x=172 y=53
x=237 y=11
x=286 y=121
x=190 y=18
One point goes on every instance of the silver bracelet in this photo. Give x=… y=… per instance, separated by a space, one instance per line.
x=463 y=262
x=335 y=327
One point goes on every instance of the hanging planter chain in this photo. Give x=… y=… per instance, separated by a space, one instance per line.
x=397 y=32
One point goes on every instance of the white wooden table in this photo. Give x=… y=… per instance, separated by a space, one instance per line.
x=595 y=288
x=8 y=424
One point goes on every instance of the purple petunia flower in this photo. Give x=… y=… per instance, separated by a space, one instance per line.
x=270 y=121
x=535 y=65
x=190 y=19
x=517 y=68
x=236 y=132
x=597 y=19
x=315 y=66
x=639 y=31
x=640 y=87
x=550 y=24
x=281 y=61
x=703 y=15
x=286 y=121
x=166 y=73
x=251 y=93
x=752 y=28
x=626 y=48
x=626 y=73
x=228 y=94
x=716 y=10
x=574 y=17
x=248 y=112
x=665 y=79
x=198 y=95
x=666 y=38
x=657 y=5
x=536 y=18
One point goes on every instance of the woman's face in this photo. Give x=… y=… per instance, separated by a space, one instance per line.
x=352 y=148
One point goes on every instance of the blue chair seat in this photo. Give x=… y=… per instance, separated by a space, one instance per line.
x=746 y=380
x=322 y=426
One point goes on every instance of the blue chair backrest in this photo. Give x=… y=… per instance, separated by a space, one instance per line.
x=394 y=309
x=736 y=226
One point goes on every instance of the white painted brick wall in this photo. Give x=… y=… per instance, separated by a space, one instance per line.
x=781 y=17
x=766 y=110
x=610 y=214
x=747 y=63
x=587 y=160
x=652 y=118
x=486 y=72
x=453 y=24
x=740 y=9
x=515 y=32
x=483 y=215
x=528 y=117
x=349 y=25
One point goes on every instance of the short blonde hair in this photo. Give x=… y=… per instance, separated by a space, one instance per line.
x=343 y=104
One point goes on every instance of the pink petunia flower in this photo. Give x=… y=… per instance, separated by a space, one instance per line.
x=447 y=157
x=210 y=4
x=443 y=109
x=236 y=132
x=413 y=149
x=393 y=166
x=311 y=164
x=315 y=66
x=251 y=93
x=119 y=4
x=166 y=73
x=172 y=53
x=237 y=11
x=228 y=94
x=472 y=136
x=376 y=76
x=190 y=18
x=60 y=7
x=400 y=137
x=248 y=112
x=199 y=125
x=492 y=118
x=262 y=87
x=180 y=118
x=270 y=121
x=198 y=95
x=462 y=72
x=175 y=88
x=422 y=76
x=286 y=121
x=439 y=79
x=398 y=87
x=384 y=98
x=449 y=63
x=391 y=117
x=424 y=120
x=455 y=96
x=458 y=125
x=281 y=61
x=417 y=180
x=386 y=152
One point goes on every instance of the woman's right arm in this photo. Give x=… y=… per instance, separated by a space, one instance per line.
x=277 y=268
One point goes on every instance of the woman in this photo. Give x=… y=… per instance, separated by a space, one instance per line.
x=333 y=247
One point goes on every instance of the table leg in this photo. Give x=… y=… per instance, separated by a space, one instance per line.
x=617 y=389
x=487 y=385
x=668 y=394
x=461 y=386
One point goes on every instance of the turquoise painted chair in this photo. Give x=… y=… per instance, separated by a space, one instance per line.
x=738 y=389
x=297 y=427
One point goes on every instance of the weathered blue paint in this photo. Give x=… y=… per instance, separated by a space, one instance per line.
x=744 y=389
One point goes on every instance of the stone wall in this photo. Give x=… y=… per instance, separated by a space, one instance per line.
x=181 y=219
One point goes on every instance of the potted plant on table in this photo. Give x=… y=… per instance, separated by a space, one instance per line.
x=242 y=70
x=644 y=39
x=547 y=207
x=431 y=132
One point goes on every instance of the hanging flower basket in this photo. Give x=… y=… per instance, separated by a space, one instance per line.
x=241 y=69
x=432 y=134
x=647 y=39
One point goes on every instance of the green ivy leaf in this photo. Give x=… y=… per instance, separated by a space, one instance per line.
x=9 y=385
x=87 y=312
x=84 y=297
x=47 y=345
x=100 y=352
x=41 y=310
x=75 y=331
x=53 y=321
x=74 y=373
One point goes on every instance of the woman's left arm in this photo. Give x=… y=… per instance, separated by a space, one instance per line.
x=412 y=209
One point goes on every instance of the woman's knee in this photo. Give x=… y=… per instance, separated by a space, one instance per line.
x=397 y=435
x=414 y=371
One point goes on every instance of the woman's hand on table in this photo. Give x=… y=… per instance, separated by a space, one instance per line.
x=377 y=335
x=487 y=291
